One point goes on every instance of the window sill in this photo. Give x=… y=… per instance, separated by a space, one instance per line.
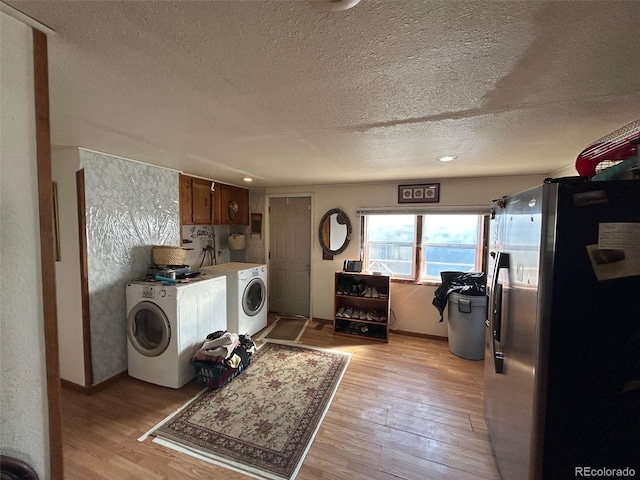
x=428 y=283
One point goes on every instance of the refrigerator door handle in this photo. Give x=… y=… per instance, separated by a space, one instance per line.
x=495 y=317
x=498 y=355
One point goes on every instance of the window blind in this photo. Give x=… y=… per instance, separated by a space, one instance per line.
x=425 y=210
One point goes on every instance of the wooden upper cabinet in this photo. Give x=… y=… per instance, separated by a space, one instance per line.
x=195 y=201
x=201 y=201
x=231 y=205
x=186 y=200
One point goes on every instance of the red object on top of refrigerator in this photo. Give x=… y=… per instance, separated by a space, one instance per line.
x=619 y=145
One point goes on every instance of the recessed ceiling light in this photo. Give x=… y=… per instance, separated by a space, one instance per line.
x=248 y=179
x=447 y=158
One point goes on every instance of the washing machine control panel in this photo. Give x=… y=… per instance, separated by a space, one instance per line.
x=154 y=291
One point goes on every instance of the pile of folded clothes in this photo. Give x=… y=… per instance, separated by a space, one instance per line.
x=222 y=357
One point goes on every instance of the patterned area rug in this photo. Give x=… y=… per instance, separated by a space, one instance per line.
x=287 y=329
x=263 y=422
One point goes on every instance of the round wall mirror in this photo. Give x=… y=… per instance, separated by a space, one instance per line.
x=334 y=232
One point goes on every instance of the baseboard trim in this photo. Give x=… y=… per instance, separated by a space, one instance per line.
x=324 y=321
x=397 y=332
x=73 y=386
x=420 y=335
x=94 y=388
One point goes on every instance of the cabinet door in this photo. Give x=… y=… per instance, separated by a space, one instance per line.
x=226 y=195
x=242 y=196
x=186 y=199
x=201 y=201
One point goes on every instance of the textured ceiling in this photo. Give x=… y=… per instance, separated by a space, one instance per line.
x=291 y=95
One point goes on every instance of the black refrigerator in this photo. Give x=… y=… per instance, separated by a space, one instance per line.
x=562 y=359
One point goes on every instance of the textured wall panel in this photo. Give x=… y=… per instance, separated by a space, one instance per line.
x=130 y=207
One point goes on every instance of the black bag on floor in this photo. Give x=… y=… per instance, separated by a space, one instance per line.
x=474 y=283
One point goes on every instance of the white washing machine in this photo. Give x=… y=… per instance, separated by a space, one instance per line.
x=166 y=324
x=246 y=295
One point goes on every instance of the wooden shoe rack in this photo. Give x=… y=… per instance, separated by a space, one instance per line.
x=361 y=305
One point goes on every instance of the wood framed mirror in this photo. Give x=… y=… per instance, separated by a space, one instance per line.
x=334 y=232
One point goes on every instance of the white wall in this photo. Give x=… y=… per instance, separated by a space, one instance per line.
x=411 y=304
x=64 y=163
x=568 y=171
x=23 y=391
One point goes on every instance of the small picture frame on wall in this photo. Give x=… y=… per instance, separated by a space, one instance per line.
x=256 y=224
x=419 y=193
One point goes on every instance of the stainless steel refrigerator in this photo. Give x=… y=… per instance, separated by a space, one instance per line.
x=562 y=362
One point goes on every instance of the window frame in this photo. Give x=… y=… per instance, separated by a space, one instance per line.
x=419 y=247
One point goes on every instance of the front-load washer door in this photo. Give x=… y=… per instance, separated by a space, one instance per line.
x=148 y=329
x=254 y=297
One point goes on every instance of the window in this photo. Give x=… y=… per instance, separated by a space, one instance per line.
x=419 y=247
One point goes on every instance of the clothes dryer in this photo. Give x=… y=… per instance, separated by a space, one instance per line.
x=166 y=324
x=246 y=295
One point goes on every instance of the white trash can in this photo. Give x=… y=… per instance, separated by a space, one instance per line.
x=466 y=315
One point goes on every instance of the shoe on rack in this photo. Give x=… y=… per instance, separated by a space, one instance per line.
x=374 y=292
x=340 y=312
x=368 y=292
x=383 y=293
x=348 y=312
x=374 y=316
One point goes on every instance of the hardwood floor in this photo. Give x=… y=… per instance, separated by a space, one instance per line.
x=407 y=409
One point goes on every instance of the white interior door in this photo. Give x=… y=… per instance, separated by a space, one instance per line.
x=289 y=255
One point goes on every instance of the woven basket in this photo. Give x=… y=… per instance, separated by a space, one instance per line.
x=237 y=241
x=163 y=255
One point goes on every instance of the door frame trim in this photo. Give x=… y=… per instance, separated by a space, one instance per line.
x=267 y=233
x=47 y=260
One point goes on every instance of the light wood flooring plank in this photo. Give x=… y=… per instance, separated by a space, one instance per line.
x=407 y=409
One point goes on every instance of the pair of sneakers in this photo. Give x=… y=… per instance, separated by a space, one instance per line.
x=359 y=314
x=376 y=316
x=350 y=312
x=344 y=288
x=371 y=292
